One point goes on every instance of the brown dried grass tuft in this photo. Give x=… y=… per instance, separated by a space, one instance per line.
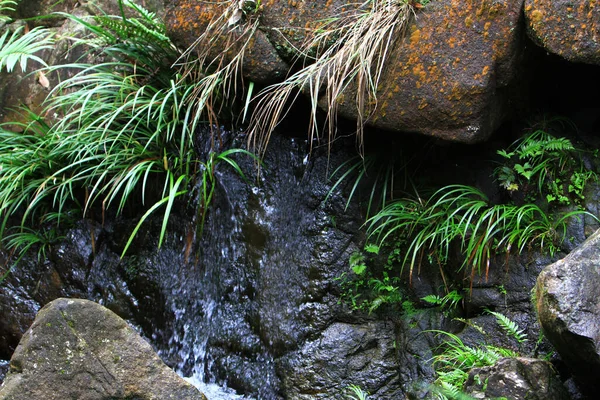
x=351 y=53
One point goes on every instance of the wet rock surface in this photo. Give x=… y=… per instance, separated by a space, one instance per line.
x=369 y=357
x=79 y=349
x=568 y=306
x=516 y=378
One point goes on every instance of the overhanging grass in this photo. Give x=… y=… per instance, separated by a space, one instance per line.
x=459 y=215
x=351 y=53
x=122 y=127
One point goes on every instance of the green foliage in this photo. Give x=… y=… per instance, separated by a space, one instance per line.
x=551 y=162
x=19 y=48
x=358 y=170
x=6 y=6
x=462 y=216
x=356 y=393
x=363 y=289
x=446 y=302
x=126 y=127
x=510 y=327
x=455 y=359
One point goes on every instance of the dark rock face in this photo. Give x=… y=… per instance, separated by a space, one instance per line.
x=568 y=307
x=566 y=28
x=368 y=356
x=517 y=379
x=79 y=349
x=447 y=78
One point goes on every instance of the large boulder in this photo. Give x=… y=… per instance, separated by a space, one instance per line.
x=447 y=78
x=518 y=379
x=568 y=28
x=77 y=349
x=569 y=309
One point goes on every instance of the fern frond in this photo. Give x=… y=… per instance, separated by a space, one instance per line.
x=510 y=327
x=21 y=49
x=502 y=351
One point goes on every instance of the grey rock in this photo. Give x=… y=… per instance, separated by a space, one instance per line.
x=569 y=308
x=81 y=350
x=342 y=355
x=516 y=379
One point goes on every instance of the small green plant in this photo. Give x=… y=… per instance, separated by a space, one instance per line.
x=549 y=162
x=356 y=393
x=447 y=302
x=362 y=290
x=359 y=170
x=455 y=359
x=510 y=327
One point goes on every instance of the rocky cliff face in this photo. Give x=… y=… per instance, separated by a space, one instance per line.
x=456 y=72
x=255 y=303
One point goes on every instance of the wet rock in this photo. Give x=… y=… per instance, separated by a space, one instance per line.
x=566 y=28
x=517 y=379
x=447 y=78
x=568 y=308
x=3 y=370
x=344 y=354
x=79 y=349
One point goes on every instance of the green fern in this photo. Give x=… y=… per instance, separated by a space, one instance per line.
x=510 y=327
x=450 y=300
x=540 y=142
x=6 y=6
x=21 y=48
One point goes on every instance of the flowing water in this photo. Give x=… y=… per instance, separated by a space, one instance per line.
x=223 y=309
x=233 y=304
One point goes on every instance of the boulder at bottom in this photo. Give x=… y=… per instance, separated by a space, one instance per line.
x=568 y=304
x=77 y=349
x=518 y=379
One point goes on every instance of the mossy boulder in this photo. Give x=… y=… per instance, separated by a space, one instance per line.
x=77 y=349
x=448 y=76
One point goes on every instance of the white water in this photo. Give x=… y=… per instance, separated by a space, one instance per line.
x=213 y=391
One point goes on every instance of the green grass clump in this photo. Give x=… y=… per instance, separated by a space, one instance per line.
x=462 y=215
x=125 y=133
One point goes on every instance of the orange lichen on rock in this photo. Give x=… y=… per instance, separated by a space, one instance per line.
x=569 y=28
x=415 y=36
